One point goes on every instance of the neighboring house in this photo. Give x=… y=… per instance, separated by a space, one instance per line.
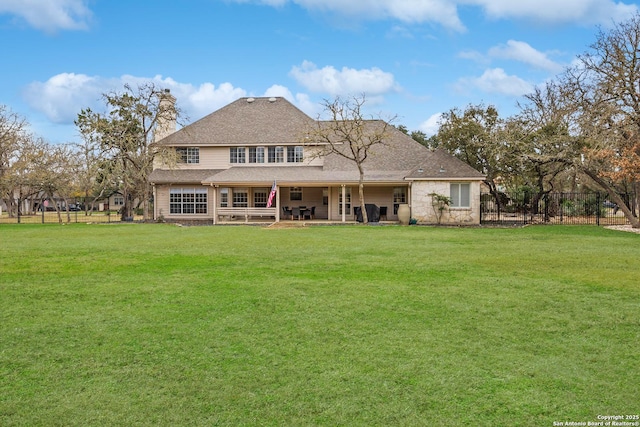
x=229 y=160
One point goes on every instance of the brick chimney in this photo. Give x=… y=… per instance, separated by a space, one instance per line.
x=166 y=124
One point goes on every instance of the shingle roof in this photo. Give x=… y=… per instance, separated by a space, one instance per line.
x=439 y=164
x=181 y=176
x=247 y=121
x=297 y=175
x=398 y=152
x=265 y=121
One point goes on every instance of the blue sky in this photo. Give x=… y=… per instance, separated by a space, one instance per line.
x=413 y=59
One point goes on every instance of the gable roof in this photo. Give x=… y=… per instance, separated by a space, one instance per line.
x=246 y=121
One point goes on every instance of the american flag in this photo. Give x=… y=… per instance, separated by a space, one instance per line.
x=272 y=195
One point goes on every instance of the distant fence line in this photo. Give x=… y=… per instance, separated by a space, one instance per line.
x=522 y=208
x=48 y=211
x=518 y=208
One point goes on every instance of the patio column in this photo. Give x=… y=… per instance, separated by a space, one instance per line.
x=215 y=204
x=344 y=203
x=277 y=203
x=155 y=203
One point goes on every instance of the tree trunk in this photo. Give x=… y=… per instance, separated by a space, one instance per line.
x=365 y=217
x=615 y=197
x=493 y=190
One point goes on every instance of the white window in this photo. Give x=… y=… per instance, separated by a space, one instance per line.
x=224 y=197
x=256 y=154
x=118 y=200
x=240 y=198
x=399 y=198
x=189 y=155
x=275 y=154
x=260 y=196
x=188 y=200
x=295 y=154
x=460 y=194
x=237 y=155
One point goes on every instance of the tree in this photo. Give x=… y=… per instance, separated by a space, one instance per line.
x=350 y=135
x=539 y=136
x=598 y=103
x=125 y=135
x=12 y=134
x=476 y=137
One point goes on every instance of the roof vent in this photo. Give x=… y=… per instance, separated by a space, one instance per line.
x=272 y=99
x=250 y=100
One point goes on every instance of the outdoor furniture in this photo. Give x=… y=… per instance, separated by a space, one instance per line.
x=309 y=213
x=288 y=213
x=373 y=212
x=295 y=213
x=383 y=213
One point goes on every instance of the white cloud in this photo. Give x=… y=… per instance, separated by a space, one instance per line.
x=49 y=15
x=204 y=99
x=523 y=52
x=585 y=12
x=279 y=90
x=347 y=81
x=445 y=12
x=495 y=80
x=62 y=97
x=431 y=126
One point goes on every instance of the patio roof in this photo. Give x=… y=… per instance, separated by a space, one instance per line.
x=299 y=175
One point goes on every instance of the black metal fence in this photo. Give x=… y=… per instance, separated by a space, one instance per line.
x=553 y=208
x=47 y=211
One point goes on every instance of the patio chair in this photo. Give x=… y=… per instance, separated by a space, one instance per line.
x=287 y=212
x=383 y=213
x=295 y=213
x=309 y=213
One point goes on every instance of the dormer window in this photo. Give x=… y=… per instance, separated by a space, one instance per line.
x=189 y=155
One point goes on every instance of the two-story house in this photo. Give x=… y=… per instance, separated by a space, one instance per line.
x=229 y=161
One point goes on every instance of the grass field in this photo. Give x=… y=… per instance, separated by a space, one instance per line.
x=131 y=324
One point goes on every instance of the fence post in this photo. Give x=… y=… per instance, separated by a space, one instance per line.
x=598 y=208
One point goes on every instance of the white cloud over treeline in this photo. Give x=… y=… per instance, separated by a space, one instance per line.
x=62 y=96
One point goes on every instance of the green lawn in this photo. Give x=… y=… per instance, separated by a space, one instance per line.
x=130 y=324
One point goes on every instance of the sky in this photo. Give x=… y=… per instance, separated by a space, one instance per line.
x=411 y=59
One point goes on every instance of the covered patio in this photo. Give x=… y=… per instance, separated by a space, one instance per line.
x=297 y=202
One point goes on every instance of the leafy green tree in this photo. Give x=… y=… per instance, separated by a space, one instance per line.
x=476 y=137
